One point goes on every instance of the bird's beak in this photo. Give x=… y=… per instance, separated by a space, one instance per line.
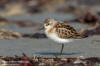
x=41 y=28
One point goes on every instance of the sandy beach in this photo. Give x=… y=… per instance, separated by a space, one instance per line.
x=87 y=47
x=83 y=47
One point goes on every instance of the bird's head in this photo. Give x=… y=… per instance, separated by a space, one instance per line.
x=49 y=22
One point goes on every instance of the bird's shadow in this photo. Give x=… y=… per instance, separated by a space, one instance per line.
x=57 y=53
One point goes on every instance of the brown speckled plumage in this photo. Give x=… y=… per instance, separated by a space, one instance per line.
x=66 y=31
x=62 y=30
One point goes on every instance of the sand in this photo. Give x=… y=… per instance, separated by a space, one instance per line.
x=30 y=46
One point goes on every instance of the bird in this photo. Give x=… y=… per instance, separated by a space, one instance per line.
x=60 y=32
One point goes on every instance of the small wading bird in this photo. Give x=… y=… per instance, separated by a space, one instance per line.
x=60 y=32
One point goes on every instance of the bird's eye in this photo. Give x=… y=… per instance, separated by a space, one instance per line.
x=48 y=23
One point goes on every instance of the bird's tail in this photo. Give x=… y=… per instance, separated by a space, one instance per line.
x=79 y=35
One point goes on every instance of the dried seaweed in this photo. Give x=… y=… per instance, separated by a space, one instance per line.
x=25 y=60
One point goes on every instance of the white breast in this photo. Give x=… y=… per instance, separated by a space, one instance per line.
x=54 y=37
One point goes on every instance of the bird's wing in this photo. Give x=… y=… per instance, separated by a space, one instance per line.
x=65 y=31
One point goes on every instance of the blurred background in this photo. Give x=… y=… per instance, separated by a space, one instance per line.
x=33 y=7
x=30 y=13
x=21 y=19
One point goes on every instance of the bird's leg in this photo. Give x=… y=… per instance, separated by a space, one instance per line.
x=61 y=49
